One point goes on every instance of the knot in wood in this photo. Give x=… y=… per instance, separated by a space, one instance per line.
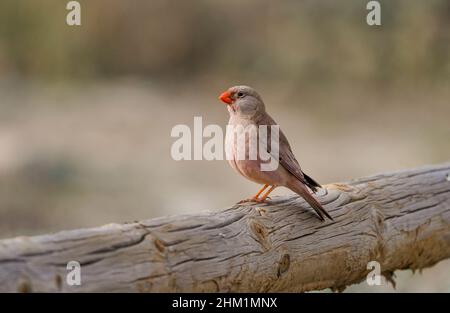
x=284 y=264
x=261 y=233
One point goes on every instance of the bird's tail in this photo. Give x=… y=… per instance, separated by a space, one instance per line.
x=311 y=183
x=302 y=191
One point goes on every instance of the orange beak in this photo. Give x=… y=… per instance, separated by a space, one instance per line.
x=226 y=97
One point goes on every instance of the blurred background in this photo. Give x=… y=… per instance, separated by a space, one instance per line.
x=86 y=111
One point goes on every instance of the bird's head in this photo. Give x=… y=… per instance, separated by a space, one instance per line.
x=243 y=101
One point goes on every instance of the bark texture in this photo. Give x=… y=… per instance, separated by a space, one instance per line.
x=401 y=220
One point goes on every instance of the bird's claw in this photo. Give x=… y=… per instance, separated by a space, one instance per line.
x=245 y=200
x=257 y=200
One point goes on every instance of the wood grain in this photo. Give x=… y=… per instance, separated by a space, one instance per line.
x=401 y=220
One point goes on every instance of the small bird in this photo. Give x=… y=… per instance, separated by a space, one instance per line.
x=246 y=107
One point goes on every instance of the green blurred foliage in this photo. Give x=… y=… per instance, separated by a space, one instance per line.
x=304 y=41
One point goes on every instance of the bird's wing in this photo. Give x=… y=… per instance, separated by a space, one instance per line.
x=288 y=160
x=286 y=156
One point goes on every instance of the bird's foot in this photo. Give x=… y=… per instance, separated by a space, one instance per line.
x=257 y=200
x=247 y=200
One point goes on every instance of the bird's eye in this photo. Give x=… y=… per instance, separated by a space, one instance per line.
x=240 y=94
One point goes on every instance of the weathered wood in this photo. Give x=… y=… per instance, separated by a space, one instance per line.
x=401 y=220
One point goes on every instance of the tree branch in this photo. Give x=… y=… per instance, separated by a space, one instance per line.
x=401 y=220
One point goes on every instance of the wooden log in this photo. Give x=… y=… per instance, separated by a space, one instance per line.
x=401 y=220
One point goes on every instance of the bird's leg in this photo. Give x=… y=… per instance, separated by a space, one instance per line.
x=260 y=191
x=266 y=194
x=255 y=198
